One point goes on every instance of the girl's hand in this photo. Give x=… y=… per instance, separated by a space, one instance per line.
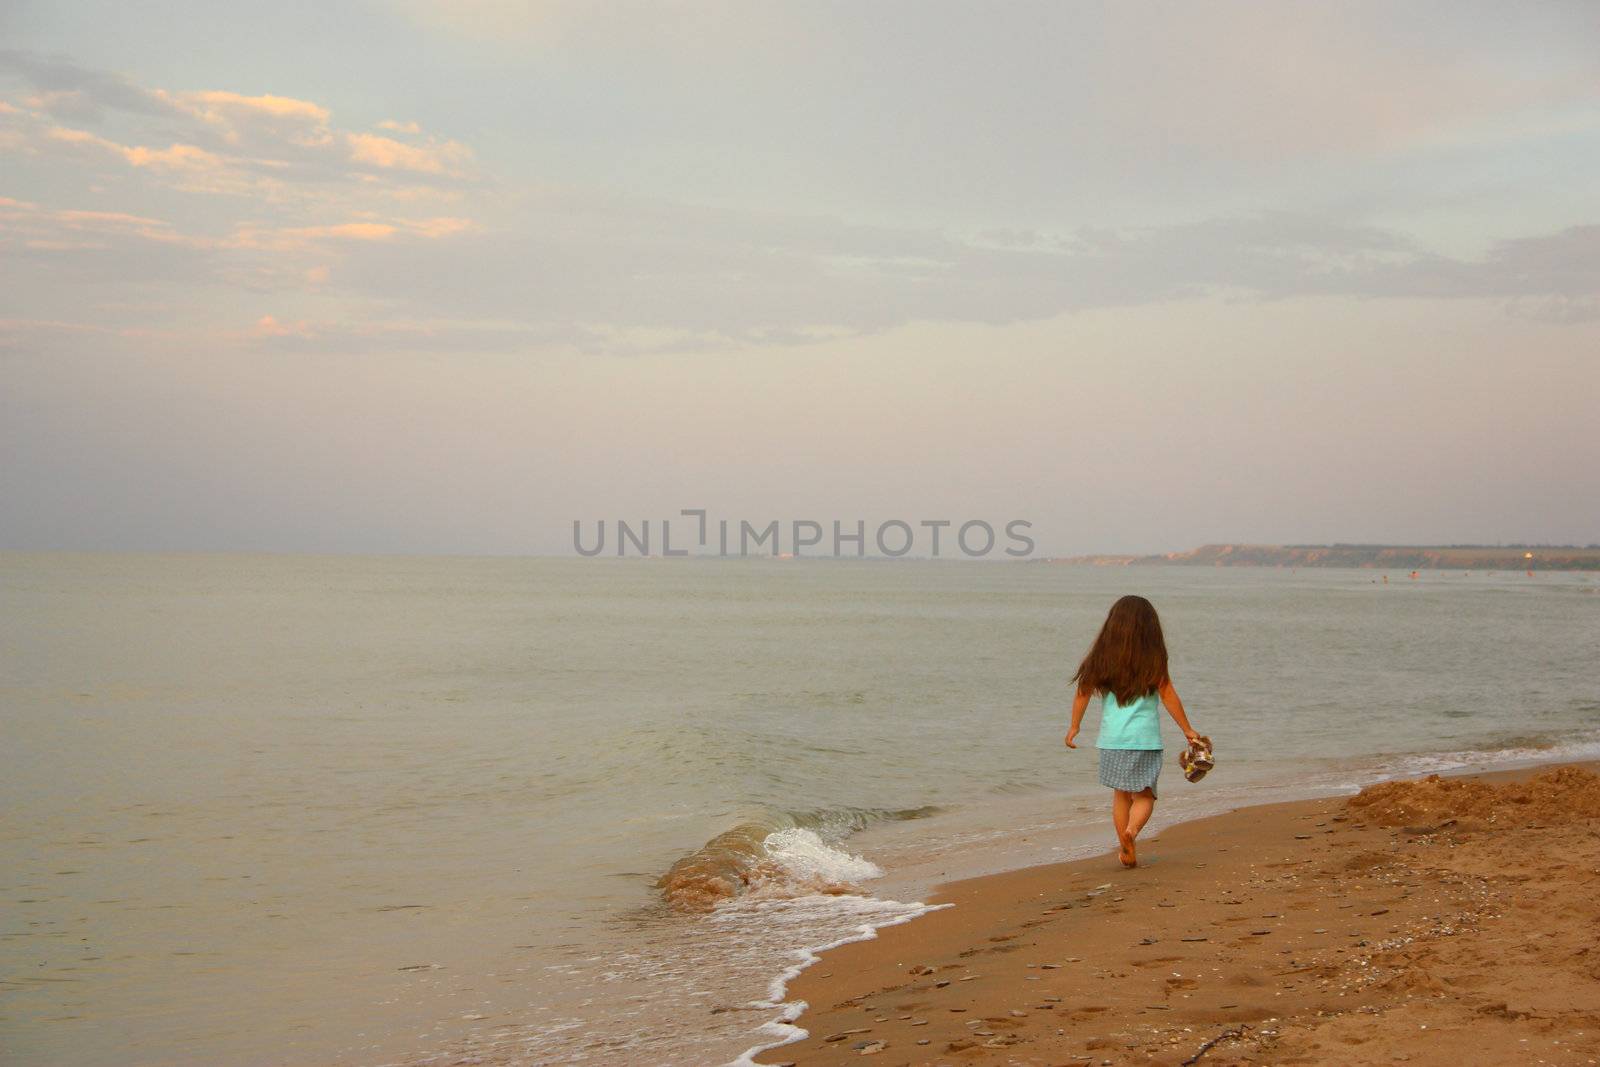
x=1072 y=733
x=1191 y=737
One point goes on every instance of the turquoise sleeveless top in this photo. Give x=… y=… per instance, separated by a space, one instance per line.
x=1138 y=725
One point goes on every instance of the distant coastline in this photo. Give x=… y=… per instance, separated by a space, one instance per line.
x=1397 y=557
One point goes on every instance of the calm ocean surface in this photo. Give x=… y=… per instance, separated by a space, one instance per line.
x=274 y=810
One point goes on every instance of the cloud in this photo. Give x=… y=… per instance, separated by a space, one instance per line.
x=63 y=85
x=278 y=191
x=175 y=157
x=303 y=213
x=612 y=274
x=385 y=153
x=755 y=278
x=276 y=146
x=65 y=337
x=1562 y=264
x=224 y=107
x=268 y=326
x=87 y=262
x=332 y=336
x=364 y=230
x=33 y=226
x=346 y=231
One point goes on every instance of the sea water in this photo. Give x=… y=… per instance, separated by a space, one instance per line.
x=277 y=809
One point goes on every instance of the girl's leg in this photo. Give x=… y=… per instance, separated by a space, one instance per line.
x=1140 y=806
x=1121 y=807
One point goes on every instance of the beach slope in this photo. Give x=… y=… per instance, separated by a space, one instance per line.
x=1439 y=921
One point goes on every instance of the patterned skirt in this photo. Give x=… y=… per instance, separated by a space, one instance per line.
x=1130 y=769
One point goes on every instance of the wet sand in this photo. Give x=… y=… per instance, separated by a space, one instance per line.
x=1430 y=921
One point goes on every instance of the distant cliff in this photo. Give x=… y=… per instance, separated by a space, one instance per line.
x=1390 y=557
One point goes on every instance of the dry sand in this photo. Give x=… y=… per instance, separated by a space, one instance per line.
x=1452 y=922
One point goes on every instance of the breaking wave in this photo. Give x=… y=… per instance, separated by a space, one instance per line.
x=782 y=855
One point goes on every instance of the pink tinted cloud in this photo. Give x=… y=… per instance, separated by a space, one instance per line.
x=217 y=104
x=385 y=153
x=174 y=157
x=293 y=238
x=270 y=145
x=267 y=326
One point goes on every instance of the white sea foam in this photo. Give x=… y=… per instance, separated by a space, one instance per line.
x=806 y=859
x=863 y=917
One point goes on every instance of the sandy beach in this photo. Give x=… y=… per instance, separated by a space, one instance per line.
x=1426 y=921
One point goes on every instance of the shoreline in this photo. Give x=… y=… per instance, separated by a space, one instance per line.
x=913 y=873
x=1079 y=962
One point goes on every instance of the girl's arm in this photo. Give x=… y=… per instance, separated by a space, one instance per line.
x=1080 y=704
x=1174 y=706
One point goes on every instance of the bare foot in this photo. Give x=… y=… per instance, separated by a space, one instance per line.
x=1126 y=852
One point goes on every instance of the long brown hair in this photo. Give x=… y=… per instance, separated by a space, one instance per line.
x=1129 y=658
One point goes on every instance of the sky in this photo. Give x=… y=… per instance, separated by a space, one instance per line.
x=445 y=277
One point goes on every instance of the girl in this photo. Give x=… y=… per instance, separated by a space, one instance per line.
x=1128 y=664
